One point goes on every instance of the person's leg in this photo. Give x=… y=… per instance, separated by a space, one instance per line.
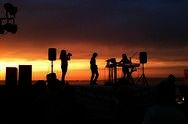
x=63 y=76
x=96 y=76
x=124 y=72
x=64 y=71
x=128 y=73
x=92 y=76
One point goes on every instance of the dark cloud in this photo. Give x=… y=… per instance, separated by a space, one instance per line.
x=150 y=24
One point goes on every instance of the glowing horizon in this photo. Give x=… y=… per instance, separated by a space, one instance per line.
x=79 y=69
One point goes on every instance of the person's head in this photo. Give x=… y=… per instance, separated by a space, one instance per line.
x=124 y=56
x=52 y=81
x=51 y=77
x=40 y=86
x=171 y=78
x=95 y=54
x=63 y=54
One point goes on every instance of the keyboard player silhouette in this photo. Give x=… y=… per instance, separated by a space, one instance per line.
x=127 y=67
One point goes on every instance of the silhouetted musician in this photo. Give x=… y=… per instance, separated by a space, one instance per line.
x=125 y=69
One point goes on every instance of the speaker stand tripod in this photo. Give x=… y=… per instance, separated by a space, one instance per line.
x=52 y=66
x=142 y=78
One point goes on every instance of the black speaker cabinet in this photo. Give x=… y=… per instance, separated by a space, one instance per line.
x=11 y=77
x=25 y=76
x=143 y=57
x=52 y=54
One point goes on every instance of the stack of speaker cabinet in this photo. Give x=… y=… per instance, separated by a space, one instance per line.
x=24 y=77
x=25 y=73
x=11 y=77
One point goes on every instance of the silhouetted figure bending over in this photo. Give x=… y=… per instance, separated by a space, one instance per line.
x=64 y=63
x=125 y=69
x=94 y=69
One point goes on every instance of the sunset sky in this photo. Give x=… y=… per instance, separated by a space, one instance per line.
x=109 y=27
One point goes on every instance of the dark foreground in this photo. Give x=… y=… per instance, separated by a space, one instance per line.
x=38 y=104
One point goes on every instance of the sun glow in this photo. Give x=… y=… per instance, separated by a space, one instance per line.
x=79 y=69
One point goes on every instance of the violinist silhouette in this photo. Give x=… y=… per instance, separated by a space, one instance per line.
x=64 y=57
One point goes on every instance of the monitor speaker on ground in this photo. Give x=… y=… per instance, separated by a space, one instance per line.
x=11 y=77
x=52 y=54
x=25 y=76
x=143 y=57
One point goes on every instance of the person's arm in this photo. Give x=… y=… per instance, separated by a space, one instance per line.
x=120 y=61
x=68 y=56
